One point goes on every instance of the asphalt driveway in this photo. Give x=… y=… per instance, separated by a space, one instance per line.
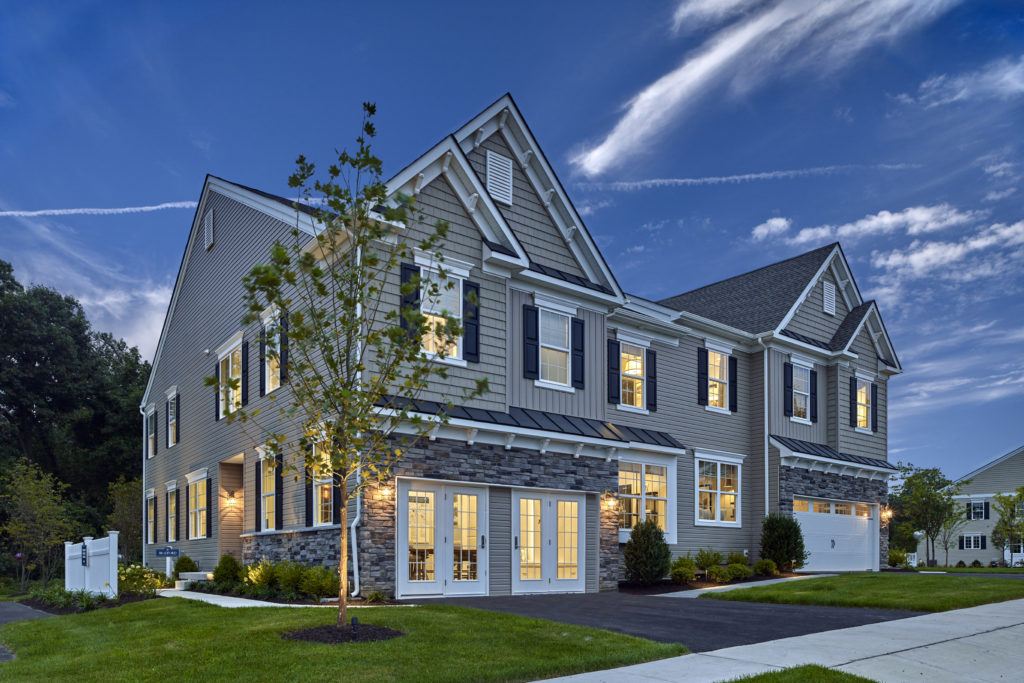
x=701 y=625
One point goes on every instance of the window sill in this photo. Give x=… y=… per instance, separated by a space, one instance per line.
x=268 y=393
x=632 y=409
x=727 y=525
x=447 y=360
x=716 y=409
x=800 y=420
x=551 y=385
x=198 y=538
x=670 y=536
x=863 y=430
x=294 y=530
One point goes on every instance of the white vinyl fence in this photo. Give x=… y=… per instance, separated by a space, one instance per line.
x=912 y=559
x=92 y=565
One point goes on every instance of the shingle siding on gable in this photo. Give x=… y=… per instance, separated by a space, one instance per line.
x=810 y=318
x=527 y=216
x=1002 y=478
x=851 y=441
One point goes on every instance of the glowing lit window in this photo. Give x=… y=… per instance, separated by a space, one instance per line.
x=437 y=307
x=718 y=492
x=718 y=379
x=643 y=494
x=631 y=362
x=863 y=404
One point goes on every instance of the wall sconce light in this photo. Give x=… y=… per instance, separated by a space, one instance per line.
x=384 y=491
x=231 y=498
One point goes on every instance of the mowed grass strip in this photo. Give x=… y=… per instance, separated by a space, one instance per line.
x=809 y=673
x=177 y=639
x=918 y=592
x=973 y=570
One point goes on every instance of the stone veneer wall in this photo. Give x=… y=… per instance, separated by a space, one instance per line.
x=796 y=481
x=451 y=461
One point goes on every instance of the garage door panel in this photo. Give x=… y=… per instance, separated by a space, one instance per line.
x=837 y=542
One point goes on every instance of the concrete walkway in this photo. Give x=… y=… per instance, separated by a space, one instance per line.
x=976 y=644
x=696 y=593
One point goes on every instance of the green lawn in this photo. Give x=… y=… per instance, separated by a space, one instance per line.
x=889 y=591
x=809 y=673
x=974 y=570
x=177 y=639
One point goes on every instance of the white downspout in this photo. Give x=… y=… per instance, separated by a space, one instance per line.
x=352 y=533
x=145 y=512
x=764 y=382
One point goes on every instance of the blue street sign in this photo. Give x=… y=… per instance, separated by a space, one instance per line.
x=85 y=555
x=167 y=552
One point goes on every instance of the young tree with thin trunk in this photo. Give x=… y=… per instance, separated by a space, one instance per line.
x=355 y=355
x=949 y=532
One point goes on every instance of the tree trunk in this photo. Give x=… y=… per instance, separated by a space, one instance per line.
x=343 y=554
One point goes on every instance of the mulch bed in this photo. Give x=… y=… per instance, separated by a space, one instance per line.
x=666 y=586
x=50 y=609
x=332 y=634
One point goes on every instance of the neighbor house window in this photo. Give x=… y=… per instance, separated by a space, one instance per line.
x=863 y=404
x=172 y=515
x=977 y=510
x=230 y=379
x=446 y=302
x=151 y=519
x=197 y=509
x=718 y=492
x=1017 y=548
x=632 y=367
x=268 y=482
x=150 y=433
x=272 y=355
x=172 y=419
x=718 y=380
x=972 y=541
x=801 y=392
x=643 y=494
x=554 y=347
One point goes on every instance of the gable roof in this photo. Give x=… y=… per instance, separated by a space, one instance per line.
x=849 y=326
x=989 y=465
x=757 y=301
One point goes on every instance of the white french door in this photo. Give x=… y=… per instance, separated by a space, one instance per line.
x=442 y=539
x=548 y=542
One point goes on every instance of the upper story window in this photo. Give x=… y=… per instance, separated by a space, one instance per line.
x=172 y=417
x=1019 y=510
x=863 y=404
x=272 y=350
x=554 y=347
x=150 y=433
x=801 y=392
x=229 y=375
x=446 y=302
x=977 y=510
x=553 y=344
x=718 y=490
x=800 y=387
x=632 y=364
x=456 y=297
x=718 y=379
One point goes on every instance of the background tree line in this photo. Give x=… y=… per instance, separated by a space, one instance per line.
x=69 y=426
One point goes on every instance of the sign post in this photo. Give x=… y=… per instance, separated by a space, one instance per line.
x=167 y=552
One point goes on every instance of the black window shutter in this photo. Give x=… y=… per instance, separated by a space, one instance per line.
x=961 y=546
x=531 y=342
x=734 y=378
x=260 y=464
x=874 y=407
x=177 y=516
x=156 y=519
x=578 y=350
x=470 y=321
x=278 y=491
x=814 y=395
x=263 y=362
x=614 y=383
x=986 y=509
x=336 y=500
x=410 y=300
x=282 y=347
x=652 y=381
x=983 y=541
x=188 y=522
x=177 y=418
x=149 y=538
x=969 y=515
x=216 y=391
x=167 y=516
x=702 y=376
x=209 y=508
x=853 y=401
x=787 y=389
x=309 y=497
x=167 y=418
x=245 y=373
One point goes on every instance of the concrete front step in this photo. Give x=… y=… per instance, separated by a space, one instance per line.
x=186 y=578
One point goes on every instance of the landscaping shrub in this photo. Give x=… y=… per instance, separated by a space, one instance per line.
x=897 y=558
x=81 y=601
x=183 y=564
x=976 y=563
x=736 y=557
x=320 y=582
x=718 y=574
x=706 y=559
x=783 y=542
x=995 y=563
x=377 y=598
x=961 y=564
x=134 y=578
x=228 y=573
x=646 y=556
x=683 y=570
x=739 y=571
x=263 y=574
x=289 y=578
x=765 y=567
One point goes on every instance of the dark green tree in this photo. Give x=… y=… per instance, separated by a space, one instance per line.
x=923 y=496
x=646 y=556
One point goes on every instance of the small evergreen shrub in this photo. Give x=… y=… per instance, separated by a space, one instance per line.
x=897 y=558
x=739 y=571
x=683 y=570
x=718 y=574
x=765 y=567
x=646 y=556
x=783 y=542
x=134 y=578
x=961 y=564
x=377 y=598
x=183 y=564
x=976 y=563
x=289 y=578
x=736 y=557
x=706 y=559
x=263 y=574
x=228 y=572
x=320 y=582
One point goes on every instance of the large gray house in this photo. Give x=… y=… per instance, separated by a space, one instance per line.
x=706 y=410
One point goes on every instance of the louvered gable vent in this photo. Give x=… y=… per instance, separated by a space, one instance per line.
x=499 y=177
x=208 y=229
x=830 y=298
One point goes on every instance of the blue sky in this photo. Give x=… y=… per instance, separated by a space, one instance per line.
x=700 y=139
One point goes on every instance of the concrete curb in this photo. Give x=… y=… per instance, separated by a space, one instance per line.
x=696 y=593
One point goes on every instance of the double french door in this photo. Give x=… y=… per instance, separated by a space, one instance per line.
x=442 y=539
x=548 y=541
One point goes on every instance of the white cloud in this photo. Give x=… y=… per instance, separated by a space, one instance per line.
x=693 y=14
x=1000 y=79
x=996 y=195
x=922 y=259
x=634 y=185
x=1001 y=169
x=972 y=389
x=770 y=228
x=588 y=207
x=98 y=212
x=780 y=36
x=636 y=249
x=914 y=220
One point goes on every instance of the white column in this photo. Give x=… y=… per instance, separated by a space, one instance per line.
x=68 y=550
x=112 y=562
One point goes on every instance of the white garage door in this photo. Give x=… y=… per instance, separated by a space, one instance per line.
x=839 y=535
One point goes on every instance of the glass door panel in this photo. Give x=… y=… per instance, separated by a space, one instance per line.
x=530 y=533
x=466 y=544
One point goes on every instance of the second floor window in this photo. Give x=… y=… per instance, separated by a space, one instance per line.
x=272 y=355
x=633 y=375
x=172 y=420
x=446 y=302
x=863 y=404
x=230 y=373
x=554 y=347
x=151 y=520
x=976 y=510
x=801 y=392
x=150 y=434
x=718 y=379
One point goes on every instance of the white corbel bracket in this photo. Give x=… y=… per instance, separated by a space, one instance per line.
x=473 y=199
x=446 y=161
x=502 y=119
x=509 y=438
x=578 y=450
x=548 y=195
x=420 y=178
x=471 y=435
x=479 y=138
x=525 y=161
x=544 y=446
x=611 y=454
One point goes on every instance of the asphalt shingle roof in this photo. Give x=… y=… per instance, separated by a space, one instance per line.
x=756 y=301
x=823 y=451
x=849 y=325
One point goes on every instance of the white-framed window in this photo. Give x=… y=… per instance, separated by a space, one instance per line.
x=554 y=347
x=268 y=491
x=647 y=490
x=447 y=302
x=1017 y=548
x=717 y=489
x=821 y=507
x=801 y=393
x=172 y=418
x=272 y=352
x=972 y=541
x=863 y=404
x=633 y=369
x=862 y=510
x=197 y=504
x=323 y=497
x=718 y=380
x=1019 y=510
x=843 y=509
x=977 y=510
x=230 y=359
x=800 y=505
x=150 y=432
x=172 y=514
x=150 y=518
